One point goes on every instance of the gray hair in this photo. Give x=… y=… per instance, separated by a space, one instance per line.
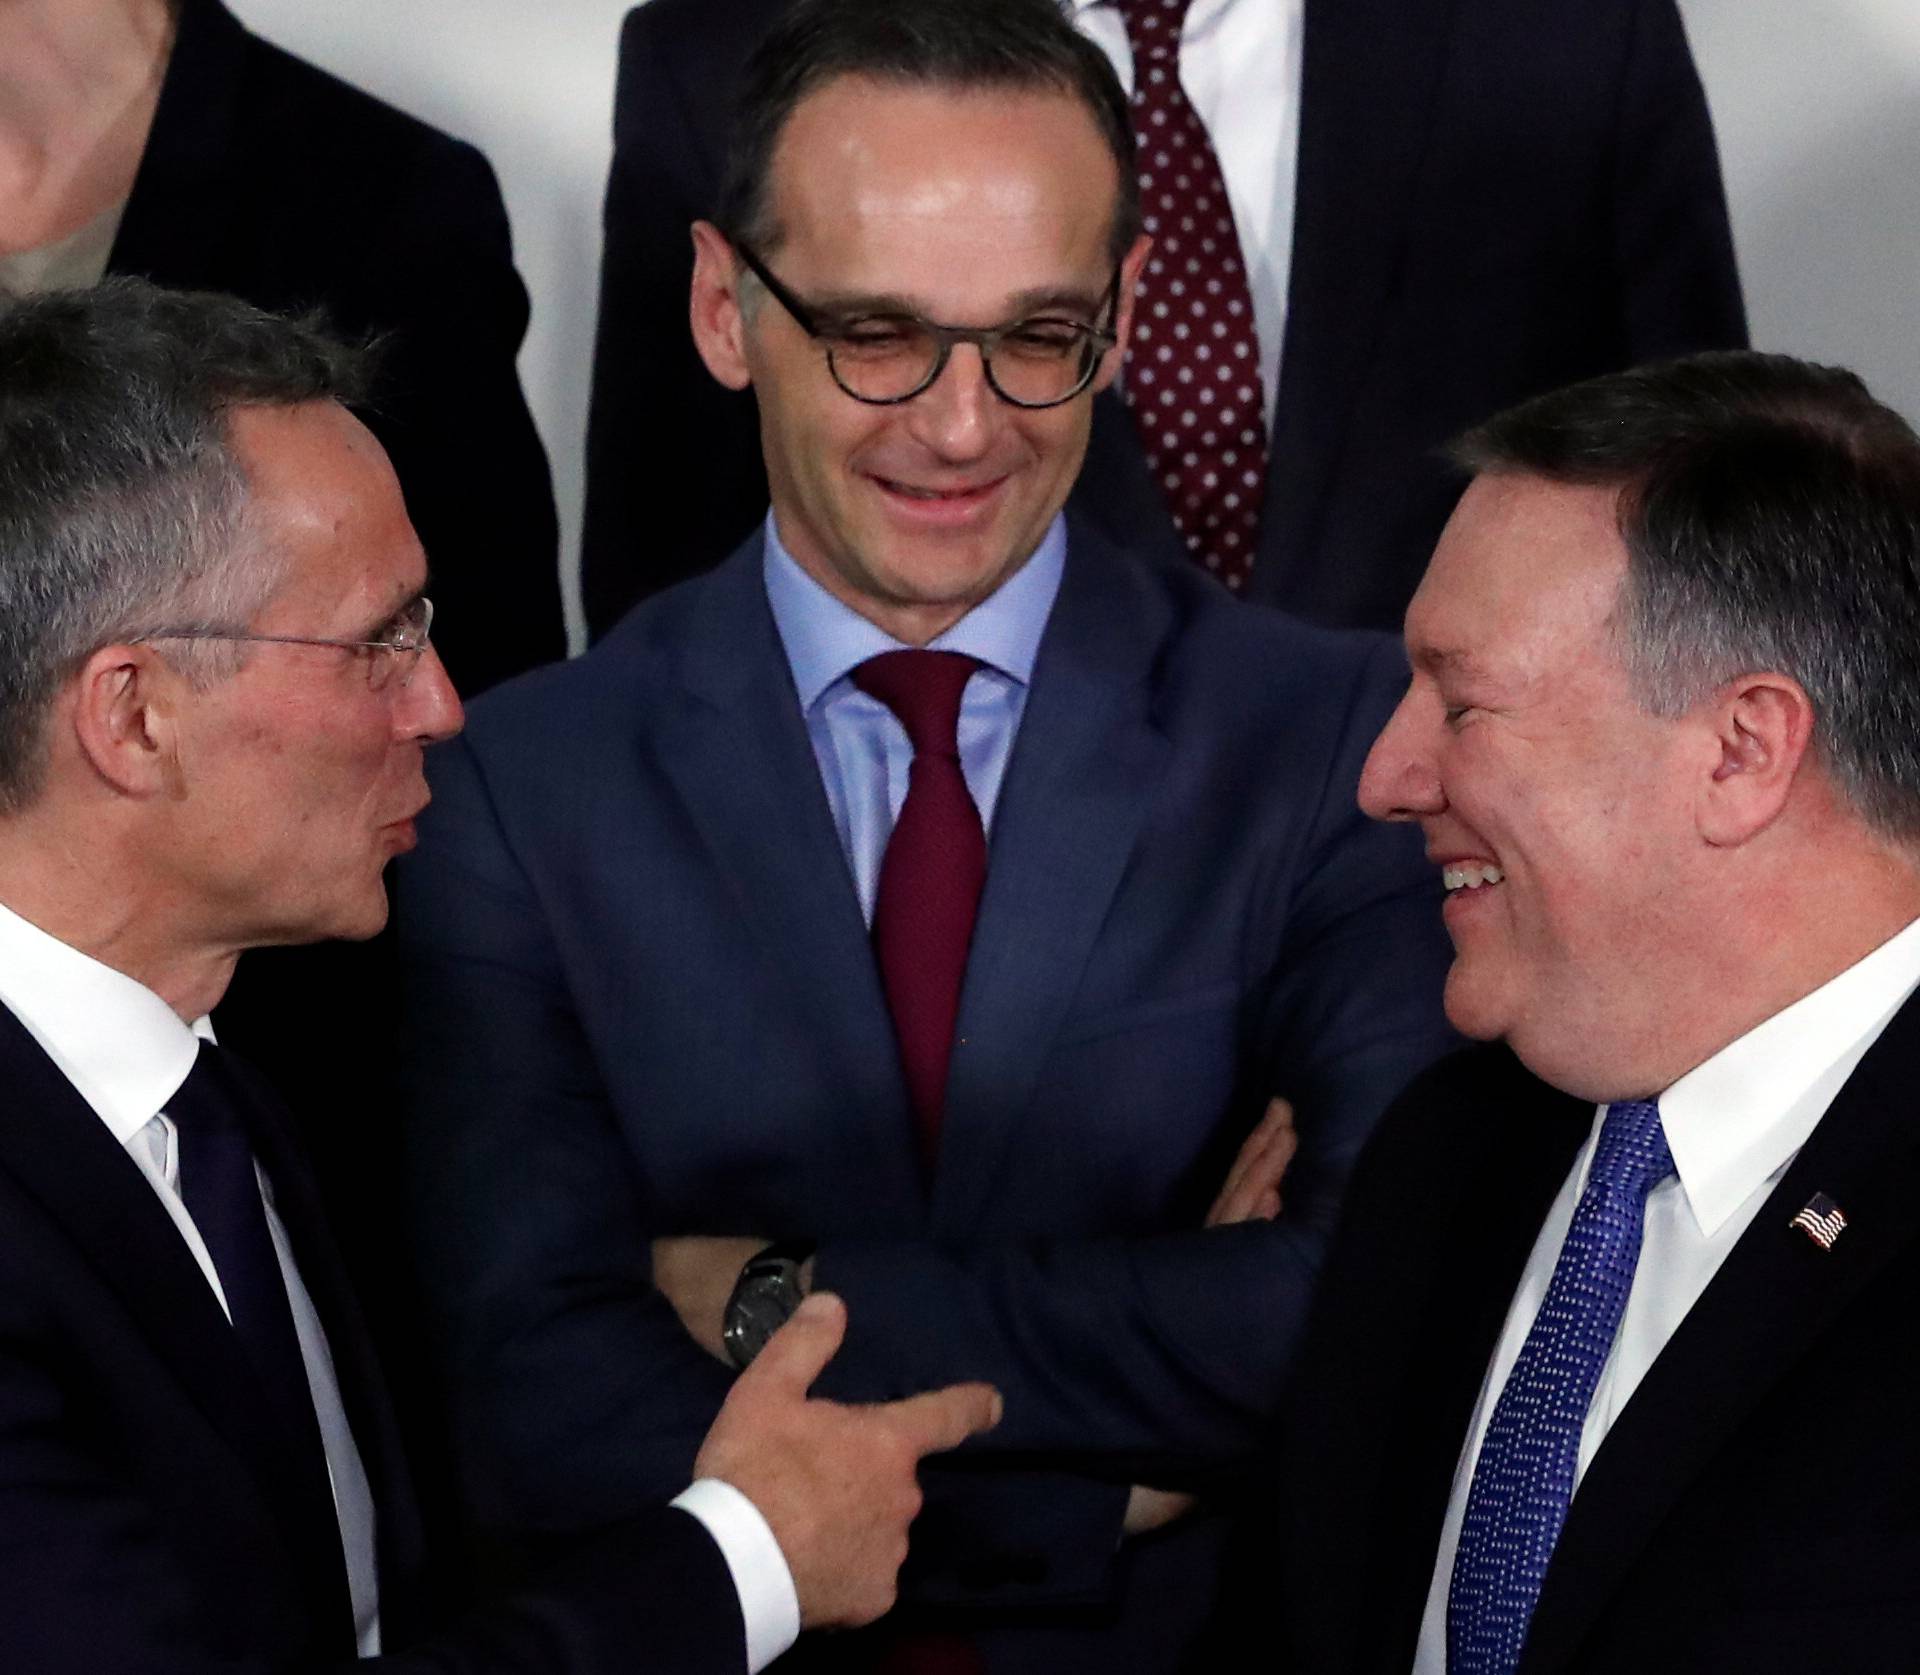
x=1770 y=510
x=121 y=500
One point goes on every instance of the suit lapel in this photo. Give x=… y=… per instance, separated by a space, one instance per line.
x=178 y=223
x=1760 y=1316
x=1084 y=770
x=1369 y=71
x=737 y=751
x=62 y=1155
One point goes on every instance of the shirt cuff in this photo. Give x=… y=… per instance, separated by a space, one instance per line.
x=768 y=1604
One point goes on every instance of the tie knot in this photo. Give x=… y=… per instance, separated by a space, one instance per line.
x=207 y=1102
x=923 y=690
x=1153 y=23
x=1632 y=1155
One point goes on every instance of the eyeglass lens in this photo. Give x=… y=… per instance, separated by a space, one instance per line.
x=1037 y=362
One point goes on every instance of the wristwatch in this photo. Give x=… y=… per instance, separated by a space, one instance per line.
x=764 y=1298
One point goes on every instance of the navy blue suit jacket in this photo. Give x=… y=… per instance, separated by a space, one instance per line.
x=149 y=1521
x=1752 y=1509
x=1494 y=197
x=643 y=1002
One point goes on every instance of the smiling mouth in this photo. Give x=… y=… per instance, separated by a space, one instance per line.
x=1470 y=875
x=912 y=491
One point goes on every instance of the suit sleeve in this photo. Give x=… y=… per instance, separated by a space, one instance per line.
x=1678 y=287
x=652 y=1594
x=658 y=424
x=100 y=1575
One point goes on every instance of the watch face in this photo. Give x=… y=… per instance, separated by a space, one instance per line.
x=760 y=1307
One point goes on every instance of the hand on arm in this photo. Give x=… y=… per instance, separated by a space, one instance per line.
x=837 y=1484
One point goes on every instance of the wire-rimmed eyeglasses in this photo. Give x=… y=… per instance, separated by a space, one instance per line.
x=402 y=644
x=883 y=359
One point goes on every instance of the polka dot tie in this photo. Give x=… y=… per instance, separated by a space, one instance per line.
x=1192 y=373
x=1524 y=1477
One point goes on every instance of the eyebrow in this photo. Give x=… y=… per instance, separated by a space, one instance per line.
x=1444 y=660
x=1023 y=305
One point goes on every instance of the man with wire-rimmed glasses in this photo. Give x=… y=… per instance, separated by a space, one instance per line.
x=218 y=688
x=929 y=903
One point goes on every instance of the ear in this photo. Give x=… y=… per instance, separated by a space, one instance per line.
x=719 y=324
x=125 y=707
x=1130 y=267
x=1762 y=727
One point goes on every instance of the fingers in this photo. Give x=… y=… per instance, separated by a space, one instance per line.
x=937 y=1420
x=796 y=1354
x=1252 y=1186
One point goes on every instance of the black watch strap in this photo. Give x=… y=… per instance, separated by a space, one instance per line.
x=764 y=1298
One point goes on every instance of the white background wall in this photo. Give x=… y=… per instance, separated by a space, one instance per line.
x=1817 y=104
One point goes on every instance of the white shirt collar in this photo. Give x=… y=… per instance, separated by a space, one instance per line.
x=121 y=1046
x=1739 y=1117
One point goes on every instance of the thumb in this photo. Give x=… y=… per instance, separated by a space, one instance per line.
x=795 y=1354
x=937 y=1420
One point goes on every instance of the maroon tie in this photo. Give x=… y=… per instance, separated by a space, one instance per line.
x=931 y=875
x=1193 y=368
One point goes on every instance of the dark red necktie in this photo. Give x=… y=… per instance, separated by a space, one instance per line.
x=930 y=877
x=1192 y=374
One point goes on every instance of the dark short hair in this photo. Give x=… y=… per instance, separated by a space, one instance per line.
x=120 y=495
x=1770 y=510
x=1021 y=45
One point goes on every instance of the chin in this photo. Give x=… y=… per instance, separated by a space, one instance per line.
x=1473 y=1012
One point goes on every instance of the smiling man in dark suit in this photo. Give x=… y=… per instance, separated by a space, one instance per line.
x=936 y=894
x=1613 y=1369
x=1440 y=206
x=219 y=686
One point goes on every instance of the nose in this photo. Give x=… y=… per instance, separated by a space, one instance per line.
x=1398 y=780
x=427 y=708
x=955 y=416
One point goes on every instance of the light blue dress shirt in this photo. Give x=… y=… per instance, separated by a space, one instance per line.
x=862 y=749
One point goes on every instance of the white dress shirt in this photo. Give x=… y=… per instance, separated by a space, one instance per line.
x=126 y=1052
x=1733 y=1124
x=1240 y=65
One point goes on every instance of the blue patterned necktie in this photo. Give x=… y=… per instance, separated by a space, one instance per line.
x=1523 y=1479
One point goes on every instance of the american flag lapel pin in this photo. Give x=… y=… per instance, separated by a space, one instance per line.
x=1823 y=1221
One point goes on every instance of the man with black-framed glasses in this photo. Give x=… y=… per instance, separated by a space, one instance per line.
x=930 y=902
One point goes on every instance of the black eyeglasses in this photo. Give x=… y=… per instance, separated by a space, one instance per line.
x=882 y=359
x=404 y=642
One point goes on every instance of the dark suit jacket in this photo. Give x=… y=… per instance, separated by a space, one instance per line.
x=272 y=180
x=1753 y=1508
x=148 y=1525
x=1494 y=197
x=642 y=1001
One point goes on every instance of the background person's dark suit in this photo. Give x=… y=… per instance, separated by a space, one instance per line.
x=1753 y=1508
x=269 y=179
x=643 y=1002
x=1494 y=197
x=145 y=1527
